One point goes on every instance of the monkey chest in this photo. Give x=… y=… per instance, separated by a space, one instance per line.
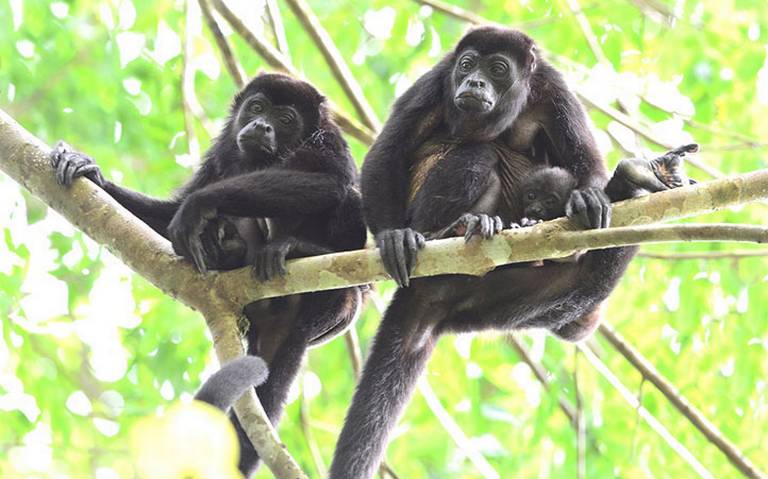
x=489 y=172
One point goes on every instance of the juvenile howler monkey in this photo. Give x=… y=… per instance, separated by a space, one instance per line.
x=278 y=183
x=452 y=156
x=546 y=190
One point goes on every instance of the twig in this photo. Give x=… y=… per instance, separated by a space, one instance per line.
x=188 y=88
x=233 y=67
x=454 y=430
x=586 y=29
x=306 y=429
x=277 y=61
x=654 y=423
x=278 y=29
x=353 y=349
x=457 y=12
x=541 y=375
x=336 y=62
x=581 y=431
x=709 y=430
x=654 y=8
x=706 y=255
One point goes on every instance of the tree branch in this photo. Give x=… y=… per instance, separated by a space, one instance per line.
x=709 y=430
x=25 y=158
x=336 y=62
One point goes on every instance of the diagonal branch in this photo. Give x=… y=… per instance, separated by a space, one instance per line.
x=336 y=62
x=25 y=159
x=709 y=430
x=649 y=418
x=233 y=67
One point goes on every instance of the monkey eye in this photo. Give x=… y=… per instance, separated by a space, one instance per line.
x=257 y=107
x=465 y=64
x=499 y=69
x=286 y=119
x=531 y=195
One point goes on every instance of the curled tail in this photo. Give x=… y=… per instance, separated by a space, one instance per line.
x=232 y=380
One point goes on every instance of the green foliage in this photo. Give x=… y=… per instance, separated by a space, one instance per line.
x=88 y=349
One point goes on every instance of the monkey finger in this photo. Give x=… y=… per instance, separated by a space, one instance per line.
x=411 y=249
x=498 y=225
x=471 y=223
x=420 y=240
x=594 y=209
x=197 y=253
x=577 y=207
x=61 y=172
x=398 y=250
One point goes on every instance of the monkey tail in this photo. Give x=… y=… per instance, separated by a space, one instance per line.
x=232 y=380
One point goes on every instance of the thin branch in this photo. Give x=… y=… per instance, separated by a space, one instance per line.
x=188 y=87
x=457 y=12
x=25 y=158
x=278 y=29
x=352 y=342
x=230 y=62
x=541 y=375
x=277 y=61
x=306 y=429
x=336 y=62
x=586 y=29
x=581 y=430
x=709 y=430
x=706 y=255
x=655 y=10
x=649 y=418
x=454 y=430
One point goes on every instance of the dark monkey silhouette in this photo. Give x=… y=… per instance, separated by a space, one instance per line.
x=277 y=183
x=451 y=159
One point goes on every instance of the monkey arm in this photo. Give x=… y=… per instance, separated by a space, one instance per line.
x=270 y=193
x=70 y=164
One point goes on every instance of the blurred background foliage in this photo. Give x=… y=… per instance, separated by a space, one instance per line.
x=88 y=348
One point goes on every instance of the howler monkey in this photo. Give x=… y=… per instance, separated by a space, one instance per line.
x=451 y=156
x=546 y=190
x=277 y=183
x=226 y=385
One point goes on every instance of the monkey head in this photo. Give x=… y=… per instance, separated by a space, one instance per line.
x=273 y=115
x=545 y=193
x=490 y=72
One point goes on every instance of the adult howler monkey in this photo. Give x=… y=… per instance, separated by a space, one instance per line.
x=278 y=182
x=451 y=158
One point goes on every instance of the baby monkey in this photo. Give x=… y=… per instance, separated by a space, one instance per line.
x=545 y=192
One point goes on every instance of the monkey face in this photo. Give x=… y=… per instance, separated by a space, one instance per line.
x=480 y=80
x=542 y=205
x=267 y=127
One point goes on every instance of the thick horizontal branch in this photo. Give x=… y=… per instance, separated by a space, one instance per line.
x=554 y=239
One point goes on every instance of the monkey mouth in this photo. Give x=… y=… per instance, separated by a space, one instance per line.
x=248 y=144
x=472 y=102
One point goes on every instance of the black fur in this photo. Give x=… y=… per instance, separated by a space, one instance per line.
x=266 y=192
x=227 y=384
x=441 y=165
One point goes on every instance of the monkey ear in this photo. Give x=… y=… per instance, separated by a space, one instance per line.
x=533 y=57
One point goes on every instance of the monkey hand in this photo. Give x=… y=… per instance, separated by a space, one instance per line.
x=269 y=261
x=398 y=249
x=187 y=231
x=590 y=206
x=70 y=164
x=469 y=225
